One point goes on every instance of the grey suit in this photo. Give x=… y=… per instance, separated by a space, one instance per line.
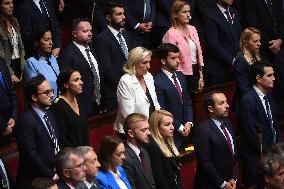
x=134 y=170
x=82 y=185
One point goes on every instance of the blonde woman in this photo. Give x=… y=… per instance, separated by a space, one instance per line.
x=249 y=54
x=136 y=90
x=163 y=152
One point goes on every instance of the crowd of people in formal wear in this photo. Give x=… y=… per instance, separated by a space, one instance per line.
x=106 y=68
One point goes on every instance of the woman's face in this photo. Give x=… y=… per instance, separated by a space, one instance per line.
x=253 y=44
x=166 y=127
x=75 y=84
x=183 y=16
x=141 y=68
x=7 y=7
x=45 y=43
x=118 y=156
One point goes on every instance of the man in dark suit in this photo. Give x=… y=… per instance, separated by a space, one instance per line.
x=111 y=47
x=33 y=14
x=215 y=146
x=36 y=135
x=258 y=122
x=222 y=35
x=6 y=181
x=137 y=164
x=8 y=101
x=92 y=167
x=139 y=21
x=172 y=93
x=70 y=168
x=79 y=55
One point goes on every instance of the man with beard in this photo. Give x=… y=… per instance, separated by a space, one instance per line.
x=215 y=146
x=137 y=163
x=79 y=55
x=258 y=119
x=111 y=47
x=36 y=134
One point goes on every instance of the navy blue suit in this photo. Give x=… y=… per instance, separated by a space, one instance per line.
x=8 y=100
x=72 y=57
x=112 y=59
x=36 y=150
x=169 y=99
x=222 y=45
x=254 y=119
x=30 y=19
x=215 y=163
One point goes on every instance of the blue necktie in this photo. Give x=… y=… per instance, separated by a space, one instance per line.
x=147 y=16
x=2 y=81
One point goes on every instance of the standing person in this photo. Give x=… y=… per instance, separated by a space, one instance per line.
x=215 y=146
x=42 y=62
x=257 y=118
x=137 y=164
x=111 y=156
x=68 y=111
x=222 y=35
x=8 y=101
x=112 y=47
x=163 y=152
x=36 y=135
x=185 y=37
x=249 y=54
x=79 y=55
x=171 y=89
x=136 y=90
x=11 y=45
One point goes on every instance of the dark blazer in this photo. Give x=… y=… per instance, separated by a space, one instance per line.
x=271 y=24
x=10 y=180
x=215 y=162
x=254 y=119
x=62 y=185
x=8 y=100
x=30 y=19
x=222 y=44
x=169 y=99
x=134 y=170
x=71 y=57
x=82 y=185
x=163 y=12
x=36 y=150
x=112 y=59
x=165 y=168
x=241 y=71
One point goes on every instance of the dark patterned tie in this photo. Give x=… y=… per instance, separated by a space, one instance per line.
x=51 y=133
x=96 y=78
x=122 y=44
x=177 y=87
x=43 y=8
x=230 y=21
x=4 y=180
x=269 y=116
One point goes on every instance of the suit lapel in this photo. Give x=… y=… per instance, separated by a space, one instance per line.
x=139 y=87
x=269 y=9
x=116 y=42
x=81 y=56
x=111 y=180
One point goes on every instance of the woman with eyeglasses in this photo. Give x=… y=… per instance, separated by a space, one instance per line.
x=185 y=37
x=111 y=155
x=43 y=62
x=11 y=45
x=163 y=152
x=69 y=114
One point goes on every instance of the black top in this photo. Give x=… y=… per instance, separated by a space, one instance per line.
x=152 y=107
x=73 y=128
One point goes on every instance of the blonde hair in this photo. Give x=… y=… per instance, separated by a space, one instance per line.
x=176 y=7
x=136 y=55
x=167 y=146
x=245 y=37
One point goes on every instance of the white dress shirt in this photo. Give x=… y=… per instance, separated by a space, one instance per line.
x=115 y=32
x=118 y=180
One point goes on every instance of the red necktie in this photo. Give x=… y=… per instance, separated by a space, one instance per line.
x=228 y=140
x=177 y=87
x=144 y=164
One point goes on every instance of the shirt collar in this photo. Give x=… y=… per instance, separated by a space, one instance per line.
x=114 y=31
x=81 y=47
x=260 y=94
x=217 y=122
x=36 y=1
x=40 y=112
x=222 y=9
x=117 y=174
x=70 y=186
x=89 y=185
x=169 y=74
x=134 y=148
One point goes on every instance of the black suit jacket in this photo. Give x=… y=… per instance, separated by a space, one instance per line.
x=222 y=44
x=71 y=57
x=36 y=150
x=8 y=100
x=30 y=19
x=169 y=99
x=215 y=162
x=134 y=170
x=112 y=59
x=254 y=119
x=62 y=185
x=271 y=24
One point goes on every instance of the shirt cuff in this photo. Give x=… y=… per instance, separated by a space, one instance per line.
x=223 y=185
x=55 y=177
x=180 y=129
x=136 y=26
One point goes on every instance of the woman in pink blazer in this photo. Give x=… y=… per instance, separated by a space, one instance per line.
x=185 y=37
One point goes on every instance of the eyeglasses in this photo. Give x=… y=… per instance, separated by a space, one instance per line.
x=92 y=162
x=47 y=92
x=81 y=165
